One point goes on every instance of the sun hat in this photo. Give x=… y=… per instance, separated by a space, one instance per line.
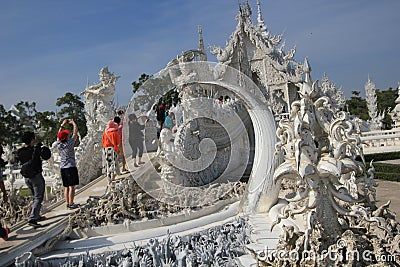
x=111 y=126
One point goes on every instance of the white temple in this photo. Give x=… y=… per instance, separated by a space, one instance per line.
x=278 y=152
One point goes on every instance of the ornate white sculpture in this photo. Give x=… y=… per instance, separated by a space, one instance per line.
x=329 y=187
x=217 y=246
x=336 y=95
x=395 y=113
x=375 y=121
x=99 y=109
x=99 y=97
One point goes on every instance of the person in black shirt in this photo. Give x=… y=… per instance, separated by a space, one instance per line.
x=35 y=181
x=136 y=138
x=4 y=231
x=160 y=110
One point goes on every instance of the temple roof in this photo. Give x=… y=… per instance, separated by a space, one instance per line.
x=251 y=46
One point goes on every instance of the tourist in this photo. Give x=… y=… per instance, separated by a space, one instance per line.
x=227 y=100
x=121 y=154
x=4 y=231
x=160 y=110
x=121 y=115
x=169 y=121
x=111 y=141
x=69 y=171
x=177 y=110
x=136 y=138
x=30 y=156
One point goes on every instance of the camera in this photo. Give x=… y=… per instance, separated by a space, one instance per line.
x=45 y=153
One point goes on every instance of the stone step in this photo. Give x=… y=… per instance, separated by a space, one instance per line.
x=246 y=261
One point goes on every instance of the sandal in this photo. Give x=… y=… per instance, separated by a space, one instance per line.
x=5 y=238
x=135 y=165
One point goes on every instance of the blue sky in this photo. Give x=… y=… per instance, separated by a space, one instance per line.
x=48 y=48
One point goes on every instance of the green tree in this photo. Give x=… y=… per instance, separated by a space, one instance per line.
x=72 y=107
x=8 y=126
x=26 y=115
x=48 y=126
x=142 y=79
x=357 y=106
x=150 y=91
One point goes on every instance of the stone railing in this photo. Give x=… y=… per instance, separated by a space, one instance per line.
x=14 y=180
x=381 y=141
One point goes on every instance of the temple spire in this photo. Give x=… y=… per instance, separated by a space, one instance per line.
x=307 y=71
x=375 y=122
x=260 y=20
x=201 y=45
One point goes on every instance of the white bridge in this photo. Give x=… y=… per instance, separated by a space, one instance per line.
x=375 y=142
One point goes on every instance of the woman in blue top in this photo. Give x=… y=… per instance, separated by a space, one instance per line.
x=169 y=121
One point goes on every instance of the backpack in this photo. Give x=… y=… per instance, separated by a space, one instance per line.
x=27 y=169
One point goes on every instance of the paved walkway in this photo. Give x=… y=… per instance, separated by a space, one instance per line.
x=388 y=190
x=24 y=238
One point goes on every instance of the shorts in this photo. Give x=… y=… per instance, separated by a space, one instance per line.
x=70 y=176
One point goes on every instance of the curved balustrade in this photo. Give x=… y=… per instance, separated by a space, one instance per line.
x=381 y=141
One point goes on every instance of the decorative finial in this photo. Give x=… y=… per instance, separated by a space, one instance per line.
x=260 y=20
x=306 y=88
x=306 y=66
x=201 y=44
x=259 y=15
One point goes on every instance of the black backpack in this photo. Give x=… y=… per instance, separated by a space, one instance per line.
x=28 y=169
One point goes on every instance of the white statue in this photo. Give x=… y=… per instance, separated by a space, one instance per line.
x=376 y=118
x=99 y=109
x=395 y=113
x=99 y=100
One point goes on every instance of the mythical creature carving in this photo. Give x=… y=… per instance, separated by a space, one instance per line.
x=222 y=55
